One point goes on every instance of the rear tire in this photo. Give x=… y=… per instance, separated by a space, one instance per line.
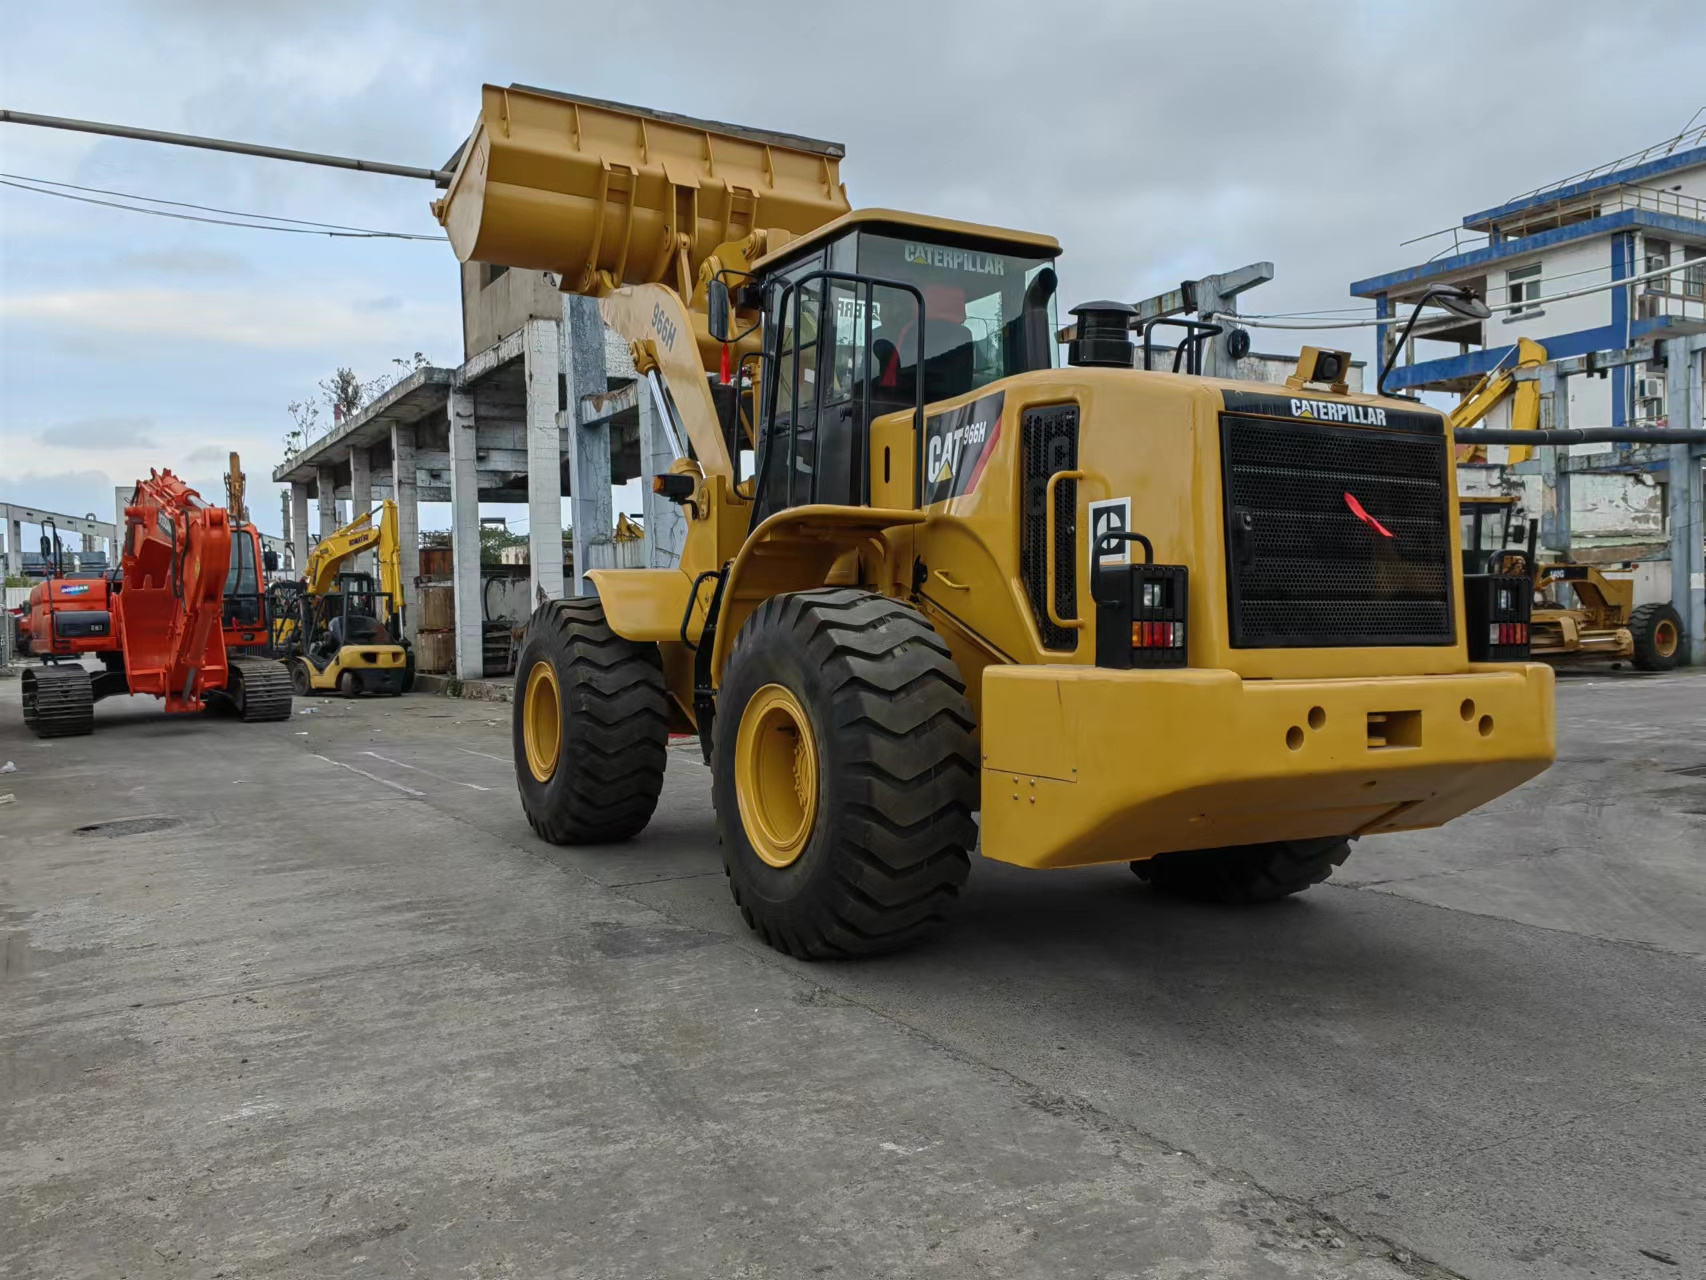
x=590 y=728
x=1657 y=630
x=59 y=701
x=1245 y=874
x=872 y=851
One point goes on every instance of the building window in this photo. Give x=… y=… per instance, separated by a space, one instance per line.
x=1694 y=274
x=1658 y=258
x=489 y=272
x=1524 y=287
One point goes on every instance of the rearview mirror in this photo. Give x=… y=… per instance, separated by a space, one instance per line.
x=717 y=310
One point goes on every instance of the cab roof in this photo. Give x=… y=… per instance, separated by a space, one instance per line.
x=960 y=235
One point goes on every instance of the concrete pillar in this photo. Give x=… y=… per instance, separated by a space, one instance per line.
x=589 y=446
x=404 y=490
x=15 y=548
x=544 y=363
x=327 y=483
x=666 y=521
x=465 y=535
x=360 y=500
x=299 y=526
x=1685 y=396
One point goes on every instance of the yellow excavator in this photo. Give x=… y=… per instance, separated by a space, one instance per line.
x=341 y=631
x=967 y=600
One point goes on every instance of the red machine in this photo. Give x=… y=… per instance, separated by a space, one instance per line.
x=158 y=625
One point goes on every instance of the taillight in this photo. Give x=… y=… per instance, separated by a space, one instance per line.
x=1141 y=609
x=1497 y=607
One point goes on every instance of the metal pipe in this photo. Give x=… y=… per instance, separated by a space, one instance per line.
x=440 y=177
x=1584 y=435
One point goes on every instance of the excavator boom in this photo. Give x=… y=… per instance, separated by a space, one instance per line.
x=176 y=554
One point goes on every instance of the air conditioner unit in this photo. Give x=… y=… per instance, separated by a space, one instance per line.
x=1650 y=388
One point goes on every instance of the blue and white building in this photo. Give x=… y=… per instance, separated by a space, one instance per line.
x=1629 y=218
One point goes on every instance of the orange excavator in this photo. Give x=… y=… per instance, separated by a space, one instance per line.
x=158 y=624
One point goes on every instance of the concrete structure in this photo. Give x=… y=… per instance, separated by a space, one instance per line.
x=1625 y=356
x=14 y=517
x=548 y=409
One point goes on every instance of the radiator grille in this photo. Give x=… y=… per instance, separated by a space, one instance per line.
x=1303 y=569
x=1049 y=442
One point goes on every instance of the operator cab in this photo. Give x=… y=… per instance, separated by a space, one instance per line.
x=879 y=312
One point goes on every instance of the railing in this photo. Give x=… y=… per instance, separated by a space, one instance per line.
x=1691 y=136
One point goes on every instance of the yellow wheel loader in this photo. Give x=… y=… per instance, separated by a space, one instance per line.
x=940 y=597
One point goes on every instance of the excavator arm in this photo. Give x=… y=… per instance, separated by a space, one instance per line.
x=370 y=531
x=177 y=551
x=1491 y=390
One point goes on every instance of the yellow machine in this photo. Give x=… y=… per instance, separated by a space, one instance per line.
x=1213 y=629
x=1493 y=387
x=339 y=631
x=1579 y=613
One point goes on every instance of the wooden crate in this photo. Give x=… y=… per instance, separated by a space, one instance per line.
x=435 y=562
x=438 y=606
x=435 y=651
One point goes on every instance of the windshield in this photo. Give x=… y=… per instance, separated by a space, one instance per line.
x=974 y=305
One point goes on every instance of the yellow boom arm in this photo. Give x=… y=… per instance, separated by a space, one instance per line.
x=366 y=532
x=1494 y=387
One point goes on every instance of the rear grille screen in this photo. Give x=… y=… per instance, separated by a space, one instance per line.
x=1304 y=568
x=1049 y=441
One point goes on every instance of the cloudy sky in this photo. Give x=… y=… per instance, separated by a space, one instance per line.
x=1157 y=141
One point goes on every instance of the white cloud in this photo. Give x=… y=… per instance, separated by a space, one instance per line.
x=105 y=433
x=266 y=320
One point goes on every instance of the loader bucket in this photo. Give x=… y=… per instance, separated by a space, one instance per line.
x=553 y=182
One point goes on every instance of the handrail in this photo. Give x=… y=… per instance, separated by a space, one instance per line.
x=1069 y=624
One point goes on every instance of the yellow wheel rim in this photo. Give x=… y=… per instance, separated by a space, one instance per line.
x=542 y=720
x=1665 y=638
x=776 y=775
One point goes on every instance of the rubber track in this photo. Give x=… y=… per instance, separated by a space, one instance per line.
x=59 y=702
x=909 y=781
x=616 y=747
x=266 y=688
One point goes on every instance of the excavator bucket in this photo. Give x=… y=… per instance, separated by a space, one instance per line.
x=607 y=195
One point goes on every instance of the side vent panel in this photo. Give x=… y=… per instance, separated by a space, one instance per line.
x=1049 y=442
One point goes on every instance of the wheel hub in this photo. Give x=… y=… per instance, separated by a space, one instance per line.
x=1665 y=638
x=542 y=720
x=776 y=775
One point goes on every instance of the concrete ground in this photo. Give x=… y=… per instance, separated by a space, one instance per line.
x=315 y=1001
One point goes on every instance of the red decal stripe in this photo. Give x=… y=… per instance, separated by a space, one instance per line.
x=1360 y=514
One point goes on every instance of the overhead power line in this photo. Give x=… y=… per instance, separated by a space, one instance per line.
x=298 y=226
x=441 y=177
x=1363 y=323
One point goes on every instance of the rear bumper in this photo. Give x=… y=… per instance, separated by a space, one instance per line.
x=1084 y=765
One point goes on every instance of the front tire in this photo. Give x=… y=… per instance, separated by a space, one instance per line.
x=590 y=727
x=844 y=774
x=1245 y=874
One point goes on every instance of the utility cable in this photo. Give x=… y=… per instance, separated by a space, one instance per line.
x=1525 y=305
x=314 y=229
x=204 y=208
